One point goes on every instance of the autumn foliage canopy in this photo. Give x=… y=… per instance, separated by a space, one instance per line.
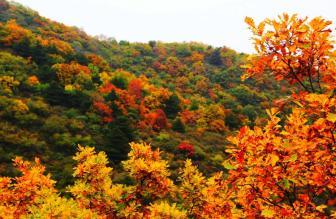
x=284 y=169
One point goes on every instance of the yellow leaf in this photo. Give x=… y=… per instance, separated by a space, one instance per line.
x=331 y=117
x=69 y=87
x=333 y=214
x=244 y=77
x=321 y=208
x=298 y=103
x=273 y=159
x=272 y=112
x=246 y=66
x=250 y=22
x=261 y=28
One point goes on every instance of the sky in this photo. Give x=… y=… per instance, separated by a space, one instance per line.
x=214 y=22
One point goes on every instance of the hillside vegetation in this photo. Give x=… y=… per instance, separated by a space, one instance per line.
x=61 y=87
x=85 y=109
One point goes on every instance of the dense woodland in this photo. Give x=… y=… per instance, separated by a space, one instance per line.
x=61 y=88
x=183 y=130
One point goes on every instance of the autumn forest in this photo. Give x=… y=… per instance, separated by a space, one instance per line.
x=92 y=127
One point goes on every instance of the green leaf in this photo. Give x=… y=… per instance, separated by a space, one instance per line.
x=286 y=143
x=286 y=183
x=227 y=165
x=293 y=157
x=268 y=213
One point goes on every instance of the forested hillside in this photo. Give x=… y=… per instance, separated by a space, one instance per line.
x=61 y=87
x=92 y=127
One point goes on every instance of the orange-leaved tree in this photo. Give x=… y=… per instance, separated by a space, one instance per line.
x=294 y=49
x=288 y=169
x=32 y=195
x=18 y=194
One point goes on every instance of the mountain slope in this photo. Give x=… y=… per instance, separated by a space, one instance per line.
x=60 y=87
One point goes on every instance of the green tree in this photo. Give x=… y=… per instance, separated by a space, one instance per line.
x=118 y=135
x=172 y=106
x=215 y=58
x=178 y=125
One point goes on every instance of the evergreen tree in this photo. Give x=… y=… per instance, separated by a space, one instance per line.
x=119 y=134
x=215 y=57
x=172 y=106
x=178 y=125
